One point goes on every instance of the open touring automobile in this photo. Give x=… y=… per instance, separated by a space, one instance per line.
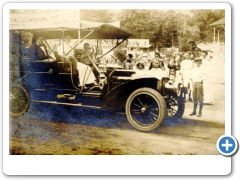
x=141 y=94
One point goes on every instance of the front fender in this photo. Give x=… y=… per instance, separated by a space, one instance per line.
x=116 y=98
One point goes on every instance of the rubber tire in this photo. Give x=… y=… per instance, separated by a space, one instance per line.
x=161 y=104
x=180 y=110
x=20 y=93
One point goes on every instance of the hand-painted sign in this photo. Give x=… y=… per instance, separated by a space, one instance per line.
x=53 y=19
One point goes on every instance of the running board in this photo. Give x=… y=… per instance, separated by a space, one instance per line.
x=93 y=94
x=68 y=104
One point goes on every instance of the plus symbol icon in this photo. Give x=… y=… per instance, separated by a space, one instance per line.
x=227 y=145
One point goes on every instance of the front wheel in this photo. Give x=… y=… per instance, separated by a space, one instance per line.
x=145 y=109
x=18 y=100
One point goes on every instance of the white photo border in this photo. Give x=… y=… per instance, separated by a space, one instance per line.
x=115 y=165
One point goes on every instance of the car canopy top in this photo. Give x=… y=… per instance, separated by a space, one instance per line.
x=104 y=31
x=57 y=25
x=53 y=25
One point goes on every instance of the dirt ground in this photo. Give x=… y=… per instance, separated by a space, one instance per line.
x=48 y=131
x=37 y=137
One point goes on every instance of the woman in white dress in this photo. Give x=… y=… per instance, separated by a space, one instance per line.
x=207 y=84
x=85 y=74
x=185 y=71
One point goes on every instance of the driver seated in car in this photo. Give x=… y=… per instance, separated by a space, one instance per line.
x=87 y=55
x=85 y=73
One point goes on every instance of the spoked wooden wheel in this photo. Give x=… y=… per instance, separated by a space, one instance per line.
x=18 y=100
x=175 y=107
x=145 y=109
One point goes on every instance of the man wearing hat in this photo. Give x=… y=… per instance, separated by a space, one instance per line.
x=38 y=50
x=197 y=77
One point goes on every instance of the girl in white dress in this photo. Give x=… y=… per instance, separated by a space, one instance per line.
x=185 y=71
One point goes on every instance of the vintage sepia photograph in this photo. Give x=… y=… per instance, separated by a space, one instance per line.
x=116 y=81
x=125 y=88
x=119 y=86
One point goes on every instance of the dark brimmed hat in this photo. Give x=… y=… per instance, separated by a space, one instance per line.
x=175 y=67
x=157 y=53
x=205 y=52
x=78 y=51
x=130 y=55
x=140 y=62
x=197 y=59
x=191 y=41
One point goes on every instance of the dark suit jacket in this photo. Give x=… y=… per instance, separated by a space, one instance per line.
x=36 y=53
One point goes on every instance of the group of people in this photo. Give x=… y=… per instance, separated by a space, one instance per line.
x=194 y=74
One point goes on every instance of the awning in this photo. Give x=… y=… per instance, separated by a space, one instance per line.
x=220 y=22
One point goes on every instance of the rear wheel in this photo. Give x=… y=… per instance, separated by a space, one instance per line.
x=145 y=109
x=175 y=107
x=18 y=100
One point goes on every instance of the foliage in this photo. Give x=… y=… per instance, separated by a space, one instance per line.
x=161 y=27
x=139 y=22
x=168 y=28
x=202 y=19
x=120 y=54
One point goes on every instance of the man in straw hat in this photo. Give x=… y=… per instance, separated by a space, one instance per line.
x=197 y=77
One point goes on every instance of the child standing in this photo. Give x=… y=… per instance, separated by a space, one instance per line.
x=185 y=71
x=197 y=77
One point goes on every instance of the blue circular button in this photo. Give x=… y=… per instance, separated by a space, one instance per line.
x=227 y=145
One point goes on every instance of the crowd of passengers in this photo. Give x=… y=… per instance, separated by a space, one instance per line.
x=180 y=67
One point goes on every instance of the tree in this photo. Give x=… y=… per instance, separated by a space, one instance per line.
x=158 y=26
x=139 y=22
x=202 y=19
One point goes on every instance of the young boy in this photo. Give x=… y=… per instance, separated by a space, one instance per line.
x=197 y=76
x=173 y=77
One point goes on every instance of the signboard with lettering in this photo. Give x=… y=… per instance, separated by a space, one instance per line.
x=53 y=19
x=141 y=43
